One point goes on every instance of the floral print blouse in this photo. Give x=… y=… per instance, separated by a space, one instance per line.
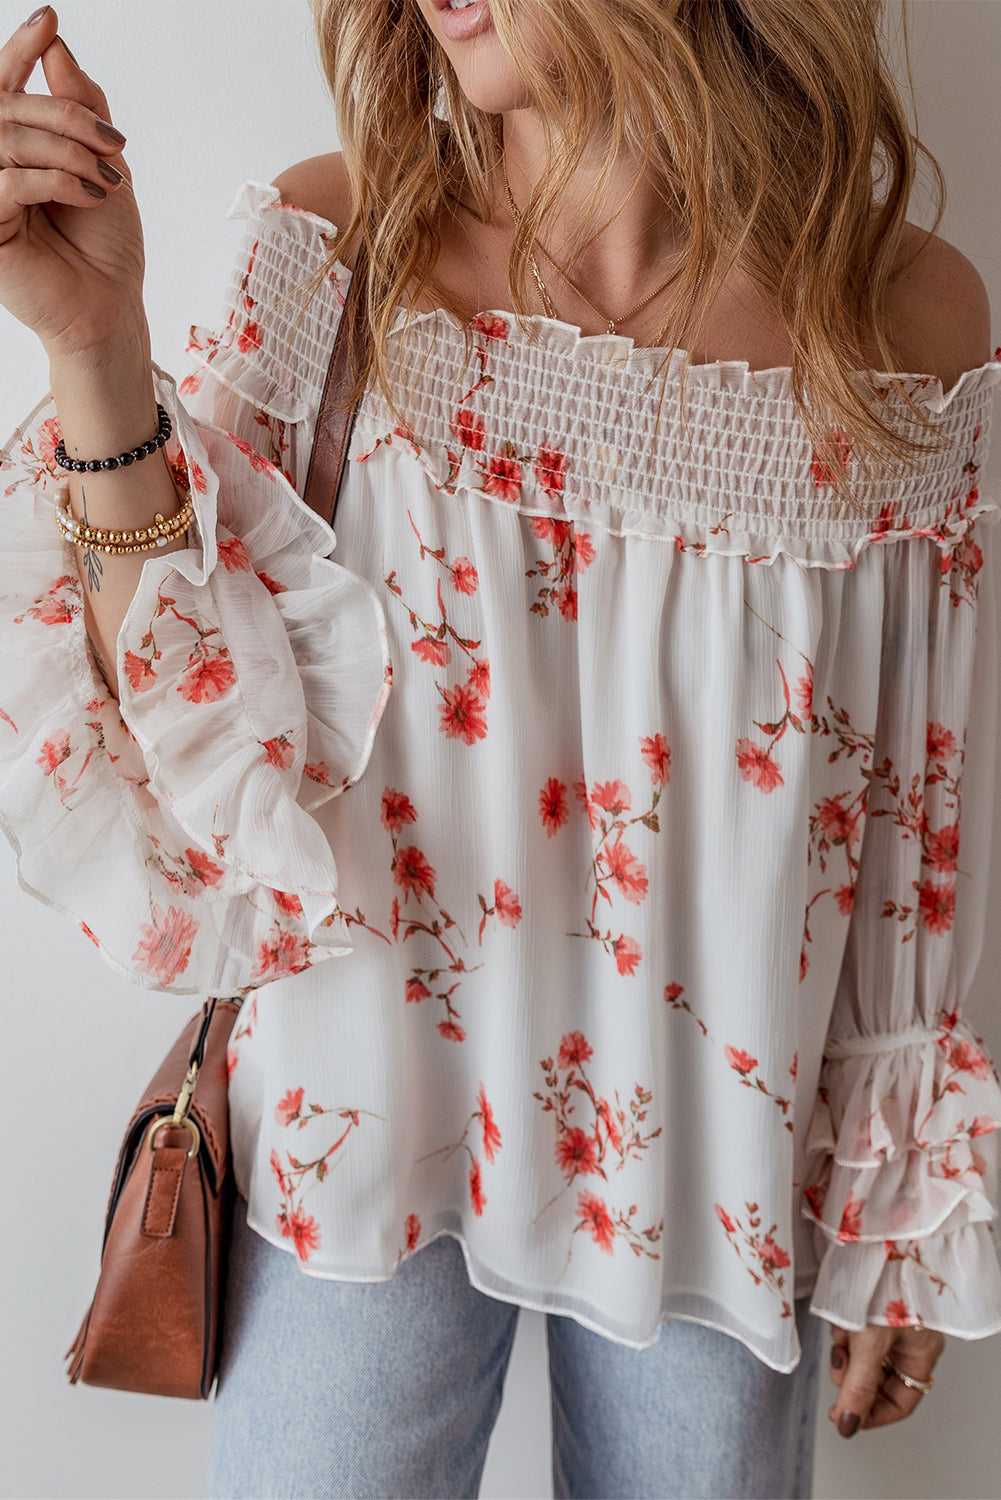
x=585 y=839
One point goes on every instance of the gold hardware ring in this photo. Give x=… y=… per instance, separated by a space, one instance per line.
x=188 y=1124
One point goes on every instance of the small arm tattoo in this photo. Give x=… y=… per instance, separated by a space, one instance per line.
x=92 y=559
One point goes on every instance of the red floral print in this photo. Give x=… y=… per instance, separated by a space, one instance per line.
x=506 y=907
x=465 y=578
x=575 y=1050
x=595 y=1218
x=553 y=806
x=55 y=751
x=430 y=650
x=757 y=766
x=397 y=809
x=464 y=704
x=657 y=753
x=896 y=1313
x=463 y=714
x=491 y=1134
x=249 y=337
x=209 y=674
x=576 y=1152
x=292 y=1175
x=628 y=954
x=502 y=478
x=165 y=944
x=491 y=1145
x=288 y=902
x=139 y=672
x=468 y=428
x=616 y=1134
x=412 y=872
x=413 y=1231
x=279 y=752
x=823 y=469
x=615 y=868
x=573 y=552
x=550 y=469
x=763 y=1259
x=907 y=805
x=851 y=1219
x=60 y=604
x=281 y=953
x=490 y=326
x=189 y=873
x=289 y=1108
x=233 y=556
x=625 y=871
x=741 y=1061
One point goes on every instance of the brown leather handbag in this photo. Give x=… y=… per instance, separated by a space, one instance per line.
x=154 y=1323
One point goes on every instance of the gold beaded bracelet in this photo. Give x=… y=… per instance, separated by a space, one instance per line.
x=116 y=543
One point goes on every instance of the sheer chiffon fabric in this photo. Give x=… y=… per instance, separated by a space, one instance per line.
x=642 y=794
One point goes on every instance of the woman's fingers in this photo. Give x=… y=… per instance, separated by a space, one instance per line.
x=22 y=186
x=66 y=79
x=63 y=117
x=21 y=146
x=869 y=1395
x=22 y=50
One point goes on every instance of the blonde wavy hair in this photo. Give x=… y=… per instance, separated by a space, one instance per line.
x=773 y=130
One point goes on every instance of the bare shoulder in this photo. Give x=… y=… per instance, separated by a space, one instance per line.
x=939 y=309
x=320 y=184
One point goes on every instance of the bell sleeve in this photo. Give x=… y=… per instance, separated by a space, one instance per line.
x=902 y=1145
x=176 y=827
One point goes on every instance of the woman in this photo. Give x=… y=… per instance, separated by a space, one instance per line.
x=652 y=735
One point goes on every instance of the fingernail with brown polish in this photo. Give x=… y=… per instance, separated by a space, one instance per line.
x=848 y=1423
x=67 y=46
x=109 y=173
x=838 y=1357
x=36 y=15
x=93 y=189
x=110 y=133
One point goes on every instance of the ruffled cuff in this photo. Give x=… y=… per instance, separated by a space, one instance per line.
x=903 y=1155
x=176 y=826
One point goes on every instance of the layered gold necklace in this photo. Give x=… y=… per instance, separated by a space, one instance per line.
x=547 y=300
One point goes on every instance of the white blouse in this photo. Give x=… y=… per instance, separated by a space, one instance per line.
x=620 y=774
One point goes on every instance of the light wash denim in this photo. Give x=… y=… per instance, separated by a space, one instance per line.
x=391 y=1389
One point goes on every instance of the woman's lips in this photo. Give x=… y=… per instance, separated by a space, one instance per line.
x=460 y=25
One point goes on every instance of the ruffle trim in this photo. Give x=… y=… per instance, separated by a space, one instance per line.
x=952 y=1284
x=745 y=484
x=701 y=532
x=175 y=827
x=905 y=1141
x=261 y=200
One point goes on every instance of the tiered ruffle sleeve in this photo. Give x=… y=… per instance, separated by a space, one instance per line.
x=903 y=1139
x=176 y=827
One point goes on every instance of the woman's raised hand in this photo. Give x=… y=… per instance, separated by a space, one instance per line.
x=71 y=243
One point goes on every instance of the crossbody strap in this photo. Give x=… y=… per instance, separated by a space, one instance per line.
x=335 y=419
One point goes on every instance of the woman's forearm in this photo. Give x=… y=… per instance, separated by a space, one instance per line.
x=106 y=405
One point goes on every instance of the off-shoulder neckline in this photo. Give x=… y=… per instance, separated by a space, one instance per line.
x=734 y=376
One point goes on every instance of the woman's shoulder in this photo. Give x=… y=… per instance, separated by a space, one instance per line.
x=938 y=308
x=321 y=186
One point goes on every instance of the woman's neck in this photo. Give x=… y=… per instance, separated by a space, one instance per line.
x=632 y=254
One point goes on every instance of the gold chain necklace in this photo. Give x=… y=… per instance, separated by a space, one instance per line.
x=547 y=301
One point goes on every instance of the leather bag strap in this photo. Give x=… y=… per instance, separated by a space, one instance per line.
x=335 y=419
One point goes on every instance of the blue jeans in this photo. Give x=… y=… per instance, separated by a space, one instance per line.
x=391 y=1388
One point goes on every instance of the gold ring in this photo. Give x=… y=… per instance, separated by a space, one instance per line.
x=909 y=1380
x=196 y=1139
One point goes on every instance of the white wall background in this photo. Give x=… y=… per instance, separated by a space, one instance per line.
x=210 y=92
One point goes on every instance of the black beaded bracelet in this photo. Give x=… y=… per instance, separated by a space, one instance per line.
x=133 y=456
